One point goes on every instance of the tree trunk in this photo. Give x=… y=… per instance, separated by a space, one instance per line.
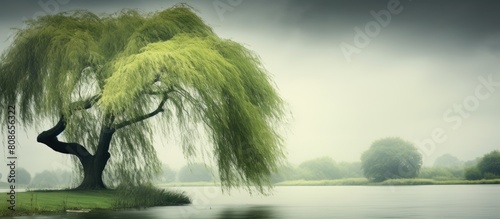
x=92 y=175
x=93 y=165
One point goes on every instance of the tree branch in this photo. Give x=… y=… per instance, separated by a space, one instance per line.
x=152 y=92
x=143 y=117
x=85 y=104
x=49 y=138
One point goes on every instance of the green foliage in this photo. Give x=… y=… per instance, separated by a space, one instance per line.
x=22 y=176
x=473 y=173
x=286 y=172
x=490 y=165
x=195 y=172
x=127 y=65
x=167 y=175
x=391 y=158
x=487 y=167
x=350 y=170
x=46 y=179
x=65 y=177
x=319 y=168
x=323 y=168
x=472 y=163
x=441 y=173
x=56 y=201
x=447 y=160
x=52 y=179
x=147 y=196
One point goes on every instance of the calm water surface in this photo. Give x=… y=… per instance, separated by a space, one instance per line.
x=456 y=201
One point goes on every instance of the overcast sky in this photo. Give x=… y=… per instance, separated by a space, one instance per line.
x=351 y=72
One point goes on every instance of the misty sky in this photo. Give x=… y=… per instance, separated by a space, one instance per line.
x=417 y=70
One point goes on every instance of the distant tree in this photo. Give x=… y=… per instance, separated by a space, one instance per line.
x=46 y=179
x=277 y=177
x=490 y=165
x=64 y=177
x=447 y=160
x=285 y=172
x=319 y=169
x=167 y=175
x=473 y=173
x=0 y=176
x=350 y=170
x=195 y=172
x=22 y=176
x=437 y=173
x=457 y=172
x=391 y=158
x=472 y=163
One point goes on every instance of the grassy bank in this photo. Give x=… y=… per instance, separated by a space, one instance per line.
x=57 y=201
x=392 y=182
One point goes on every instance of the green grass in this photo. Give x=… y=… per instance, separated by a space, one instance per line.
x=56 y=201
x=148 y=196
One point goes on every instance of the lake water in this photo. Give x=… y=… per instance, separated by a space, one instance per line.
x=454 y=201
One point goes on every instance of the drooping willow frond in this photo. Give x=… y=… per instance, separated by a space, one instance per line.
x=167 y=64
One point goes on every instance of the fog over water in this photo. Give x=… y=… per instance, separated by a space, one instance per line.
x=305 y=202
x=351 y=72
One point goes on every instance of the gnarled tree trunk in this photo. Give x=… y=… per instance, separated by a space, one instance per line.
x=93 y=165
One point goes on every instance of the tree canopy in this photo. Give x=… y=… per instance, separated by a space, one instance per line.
x=320 y=169
x=448 y=160
x=22 y=176
x=391 y=158
x=112 y=73
x=490 y=165
x=486 y=167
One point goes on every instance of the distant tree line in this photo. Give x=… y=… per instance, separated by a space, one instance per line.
x=488 y=167
x=193 y=172
x=393 y=158
x=388 y=158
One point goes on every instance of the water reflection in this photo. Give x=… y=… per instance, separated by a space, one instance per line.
x=349 y=202
x=260 y=212
x=253 y=212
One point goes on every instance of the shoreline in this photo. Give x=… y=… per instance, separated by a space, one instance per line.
x=50 y=202
x=351 y=182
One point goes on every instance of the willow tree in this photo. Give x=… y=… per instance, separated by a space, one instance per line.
x=111 y=82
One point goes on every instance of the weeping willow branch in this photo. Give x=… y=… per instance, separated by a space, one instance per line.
x=84 y=104
x=49 y=138
x=136 y=59
x=159 y=109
